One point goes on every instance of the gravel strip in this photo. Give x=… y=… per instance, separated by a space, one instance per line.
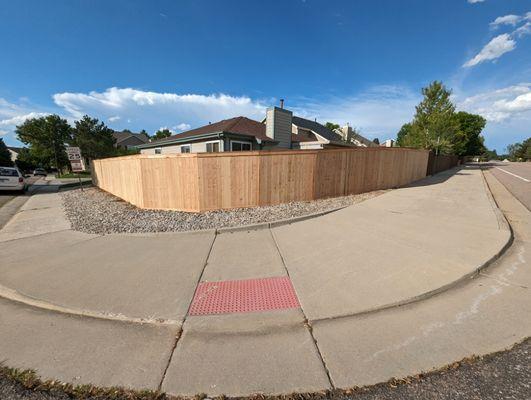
x=95 y=211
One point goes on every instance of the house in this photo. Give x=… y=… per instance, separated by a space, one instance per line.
x=279 y=130
x=129 y=140
x=14 y=151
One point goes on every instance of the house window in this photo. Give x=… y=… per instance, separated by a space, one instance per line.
x=240 y=146
x=158 y=150
x=212 y=147
x=185 y=149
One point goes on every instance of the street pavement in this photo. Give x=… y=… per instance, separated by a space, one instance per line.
x=366 y=278
x=516 y=177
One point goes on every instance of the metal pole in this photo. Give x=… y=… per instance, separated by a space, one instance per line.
x=80 y=184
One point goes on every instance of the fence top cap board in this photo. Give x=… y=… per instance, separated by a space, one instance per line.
x=259 y=153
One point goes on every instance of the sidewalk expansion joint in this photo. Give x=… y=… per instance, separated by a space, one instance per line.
x=306 y=322
x=180 y=334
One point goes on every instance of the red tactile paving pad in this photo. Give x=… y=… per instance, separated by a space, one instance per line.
x=244 y=296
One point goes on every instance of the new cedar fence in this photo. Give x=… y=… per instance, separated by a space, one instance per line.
x=441 y=162
x=212 y=181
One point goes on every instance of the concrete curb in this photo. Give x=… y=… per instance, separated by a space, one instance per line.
x=73 y=185
x=449 y=286
x=13 y=295
x=11 y=208
x=274 y=224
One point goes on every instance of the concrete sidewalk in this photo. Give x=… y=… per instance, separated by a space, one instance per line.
x=397 y=248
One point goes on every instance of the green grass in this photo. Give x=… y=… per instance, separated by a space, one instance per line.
x=84 y=174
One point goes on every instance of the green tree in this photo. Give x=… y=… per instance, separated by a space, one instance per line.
x=520 y=151
x=404 y=131
x=161 y=134
x=434 y=122
x=94 y=138
x=376 y=141
x=26 y=161
x=332 y=126
x=5 y=155
x=490 y=155
x=468 y=141
x=46 y=138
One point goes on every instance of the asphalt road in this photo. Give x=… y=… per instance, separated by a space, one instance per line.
x=516 y=177
x=6 y=196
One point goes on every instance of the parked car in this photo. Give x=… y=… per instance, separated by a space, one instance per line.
x=11 y=179
x=40 y=171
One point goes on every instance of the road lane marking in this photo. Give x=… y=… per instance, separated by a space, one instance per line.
x=510 y=173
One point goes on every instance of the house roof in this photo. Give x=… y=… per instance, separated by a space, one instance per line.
x=238 y=125
x=124 y=135
x=316 y=127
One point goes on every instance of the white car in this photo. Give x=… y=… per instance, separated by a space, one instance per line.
x=11 y=179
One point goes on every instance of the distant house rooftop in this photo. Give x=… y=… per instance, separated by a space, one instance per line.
x=127 y=140
x=279 y=130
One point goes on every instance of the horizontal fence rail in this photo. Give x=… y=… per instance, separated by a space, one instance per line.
x=213 y=181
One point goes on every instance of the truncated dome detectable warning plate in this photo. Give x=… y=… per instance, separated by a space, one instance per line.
x=242 y=296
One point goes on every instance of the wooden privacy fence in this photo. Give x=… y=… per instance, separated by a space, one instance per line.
x=441 y=162
x=211 y=181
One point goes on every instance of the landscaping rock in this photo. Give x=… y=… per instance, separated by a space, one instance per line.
x=95 y=211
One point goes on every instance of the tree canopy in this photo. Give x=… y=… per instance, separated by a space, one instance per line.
x=5 y=155
x=437 y=126
x=520 y=151
x=161 y=134
x=332 y=126
x=468 y=140
x=46 y=137
x=94 y=138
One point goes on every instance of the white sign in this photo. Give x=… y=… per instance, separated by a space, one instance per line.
x=73 y=153
x=77 y=165
x=76 y=161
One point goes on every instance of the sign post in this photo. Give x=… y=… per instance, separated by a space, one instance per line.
x=76 y=162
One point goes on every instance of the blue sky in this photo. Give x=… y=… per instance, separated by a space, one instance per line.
x=180 y=64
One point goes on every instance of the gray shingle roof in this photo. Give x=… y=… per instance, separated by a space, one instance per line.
x=321 y=130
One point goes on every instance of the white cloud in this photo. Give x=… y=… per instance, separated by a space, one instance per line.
x=498 y=46
x=523 y=30
x=475 y=1
x=510 y=19
x=182 y=127
x=512 y=102
x=378 y=112
x=12 y=114
x=148 y=110
x=19 y=119
x=114 y=118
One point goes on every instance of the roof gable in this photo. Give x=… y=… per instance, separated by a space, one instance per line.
x=238 y=125
x=316 y=127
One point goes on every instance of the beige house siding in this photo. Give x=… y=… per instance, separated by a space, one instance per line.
x=198 y=147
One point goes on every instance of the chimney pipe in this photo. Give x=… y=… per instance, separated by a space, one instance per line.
x=281 y=103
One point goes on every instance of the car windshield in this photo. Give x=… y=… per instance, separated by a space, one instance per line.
x=8 y=172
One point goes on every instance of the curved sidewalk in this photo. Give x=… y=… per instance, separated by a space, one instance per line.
x=398 y=247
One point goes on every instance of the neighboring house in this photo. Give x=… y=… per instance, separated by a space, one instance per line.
x=129 y=140
x=351 y=136
x=14 y=151
x=279 y=130
x=388 y=143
